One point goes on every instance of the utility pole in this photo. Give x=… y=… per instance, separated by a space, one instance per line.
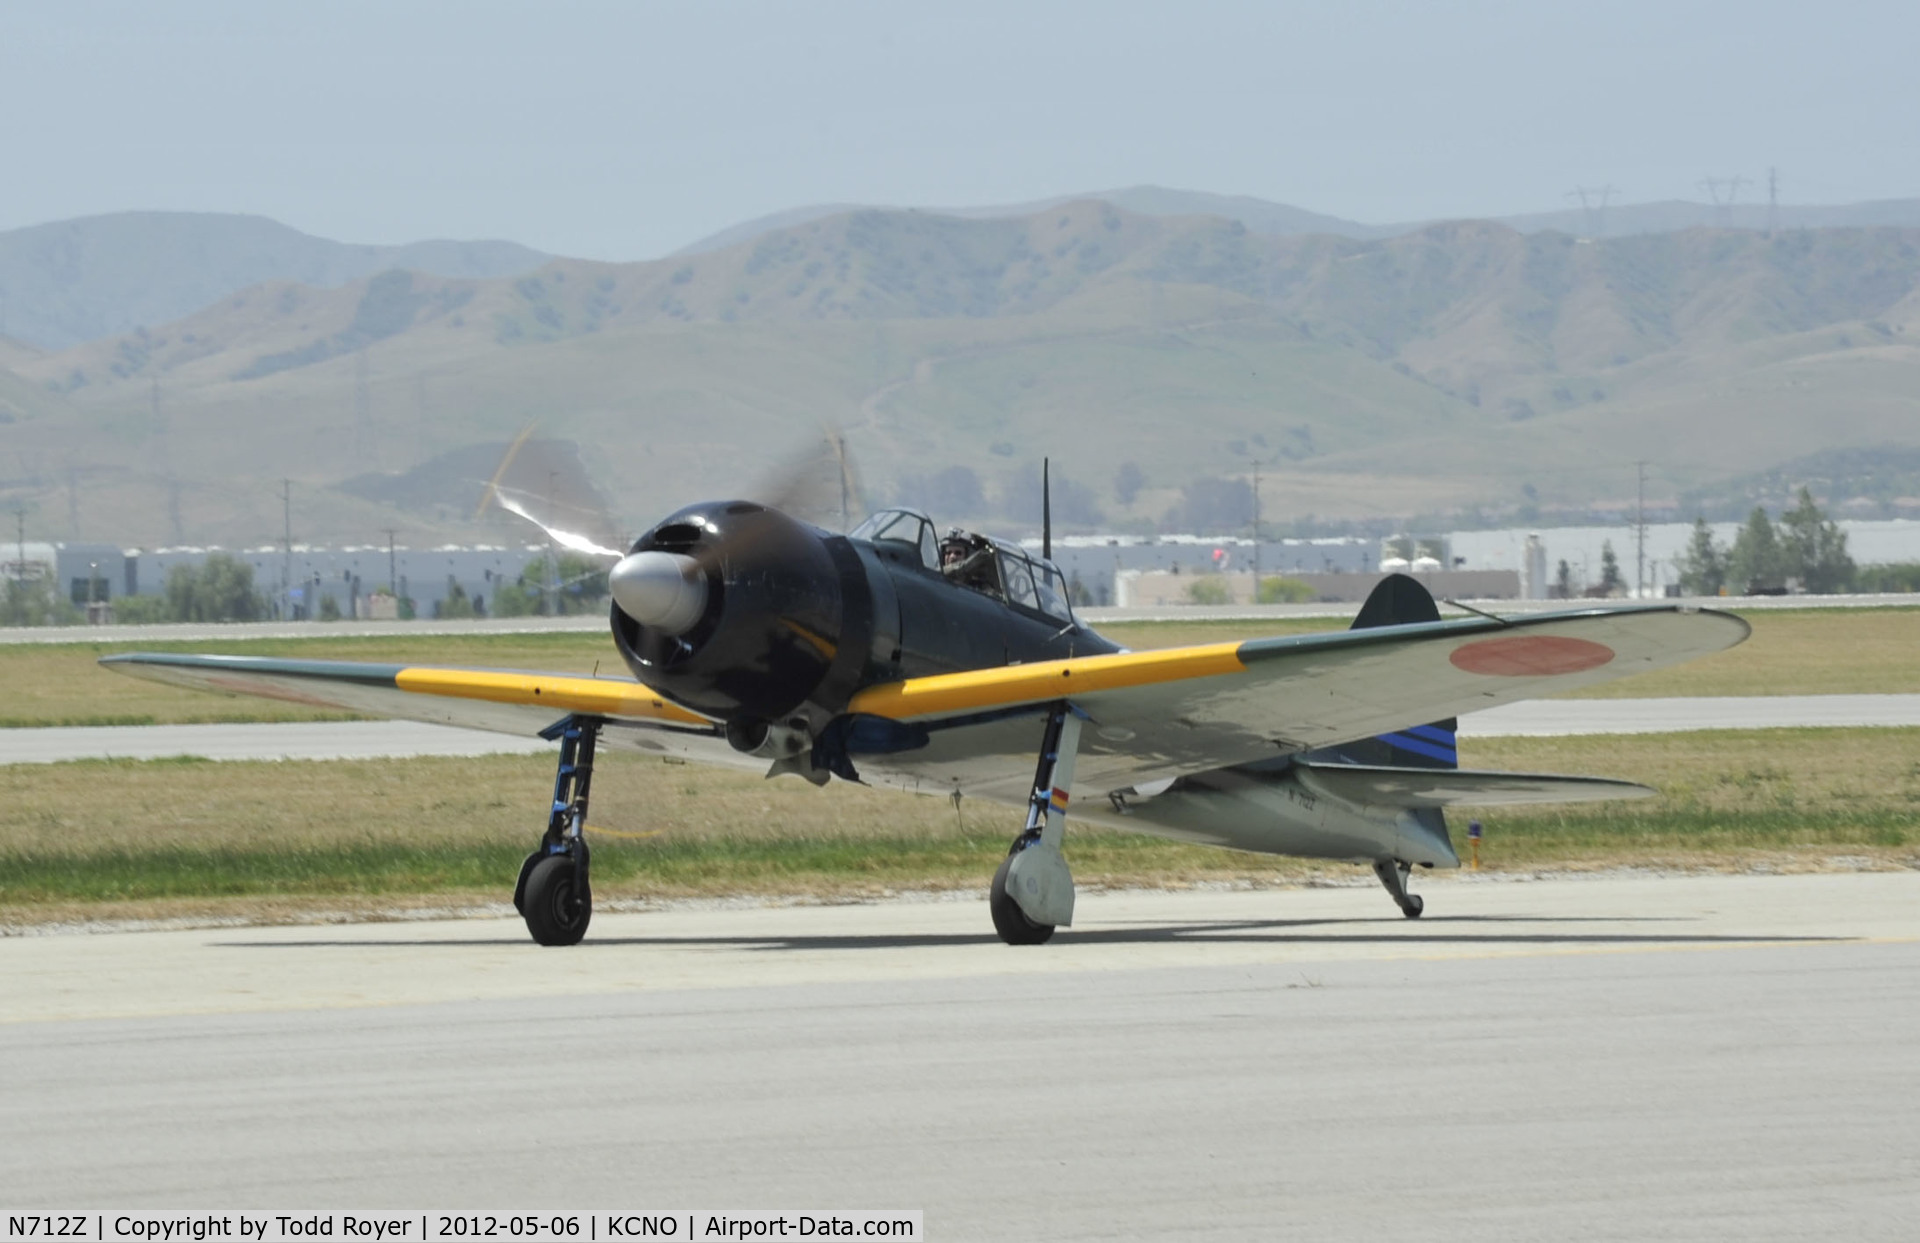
x=1773 y=198
x=553 y=558
x=286 y=548
x=393 y=579
x=1256 y=532
x=1640 y=532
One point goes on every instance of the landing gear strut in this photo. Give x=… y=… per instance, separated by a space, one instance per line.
x=1032 y=892
x=553 y=894
x=1393 y=874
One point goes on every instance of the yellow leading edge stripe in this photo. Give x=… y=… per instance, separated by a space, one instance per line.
x=950 y=693
x=598 y=696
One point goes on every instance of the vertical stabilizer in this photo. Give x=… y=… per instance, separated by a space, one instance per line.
x=1398 y=600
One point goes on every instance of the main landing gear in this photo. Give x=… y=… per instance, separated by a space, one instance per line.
x=553 y=893
x=1393 y=874
x=1033 y=891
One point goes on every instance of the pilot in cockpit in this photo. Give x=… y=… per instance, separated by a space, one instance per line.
x=969 y=560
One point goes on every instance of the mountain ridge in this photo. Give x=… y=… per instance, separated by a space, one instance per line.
x=1464 y=364
x=1269 y=218
x=72 y=281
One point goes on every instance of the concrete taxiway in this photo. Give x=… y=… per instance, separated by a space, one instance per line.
x=1619 y=1057
x=338 y=740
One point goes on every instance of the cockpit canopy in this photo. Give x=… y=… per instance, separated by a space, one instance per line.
x=993 y=567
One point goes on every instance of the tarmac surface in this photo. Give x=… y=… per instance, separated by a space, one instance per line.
x=1619 y=1057
x=337 y=740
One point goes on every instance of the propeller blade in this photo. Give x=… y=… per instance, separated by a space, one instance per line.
x=818 y=485
x=544 y=482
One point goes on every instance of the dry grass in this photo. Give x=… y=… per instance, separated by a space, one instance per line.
x=1812 y=652
x=124 y=839
x=63 y=684
x=1723 y=794
x=1799 y=652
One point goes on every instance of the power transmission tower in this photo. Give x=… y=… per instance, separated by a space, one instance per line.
x=1640 y=532
x=1723 y=191
x=1593 y=204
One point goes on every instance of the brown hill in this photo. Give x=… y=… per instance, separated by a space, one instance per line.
x=1462 y=364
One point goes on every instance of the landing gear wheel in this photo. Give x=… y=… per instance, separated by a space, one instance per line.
x=557 y=909
x=1008 y=919
x=1413 y=906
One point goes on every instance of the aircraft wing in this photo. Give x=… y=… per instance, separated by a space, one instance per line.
x=1160 y=714
x=499 y=700
x=1445 y=787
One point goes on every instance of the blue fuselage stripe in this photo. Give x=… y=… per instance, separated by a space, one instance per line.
x=1432 y=733
x=1405 y=742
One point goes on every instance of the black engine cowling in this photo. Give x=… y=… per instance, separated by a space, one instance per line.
x=786 y=617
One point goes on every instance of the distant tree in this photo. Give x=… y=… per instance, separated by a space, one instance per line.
x=1278 y=590
x=1073 y=505
x=1756 y=563
x=454 y=605
x=329 y=608
x=140 y=610
x=1610 y=580
x=36 y=602
x=1813 y=549
x=566 y=584
x=1703 y=567
x=954 y=492
x=1563 y=581
x=1127 y=484
x=1901 y=576
x=514 y=600
x=1213 y=505
x=1209 y=589
x=220 y=590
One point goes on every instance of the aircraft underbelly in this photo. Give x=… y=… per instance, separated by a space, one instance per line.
x=1274 y=814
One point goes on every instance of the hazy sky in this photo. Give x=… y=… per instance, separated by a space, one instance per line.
x=624 y=130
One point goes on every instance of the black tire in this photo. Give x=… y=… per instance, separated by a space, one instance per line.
x=1415 y=905
x=1008 y=919
x=556 y=914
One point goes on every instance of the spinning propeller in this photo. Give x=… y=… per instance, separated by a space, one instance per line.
x=664 y=590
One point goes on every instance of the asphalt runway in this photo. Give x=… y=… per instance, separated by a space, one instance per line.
x=1612 y=1058
x=337 y=740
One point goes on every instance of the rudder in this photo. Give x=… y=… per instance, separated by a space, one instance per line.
x=1398 y=600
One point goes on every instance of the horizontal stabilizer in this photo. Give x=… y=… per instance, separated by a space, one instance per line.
x=1445 y=787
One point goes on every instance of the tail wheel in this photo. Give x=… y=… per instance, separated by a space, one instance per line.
x=1008 y=919
x=557 y=906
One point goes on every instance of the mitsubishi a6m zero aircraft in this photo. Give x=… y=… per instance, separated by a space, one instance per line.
x=956 y=665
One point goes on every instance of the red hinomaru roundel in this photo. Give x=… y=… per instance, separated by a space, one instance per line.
x=1530 y=656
